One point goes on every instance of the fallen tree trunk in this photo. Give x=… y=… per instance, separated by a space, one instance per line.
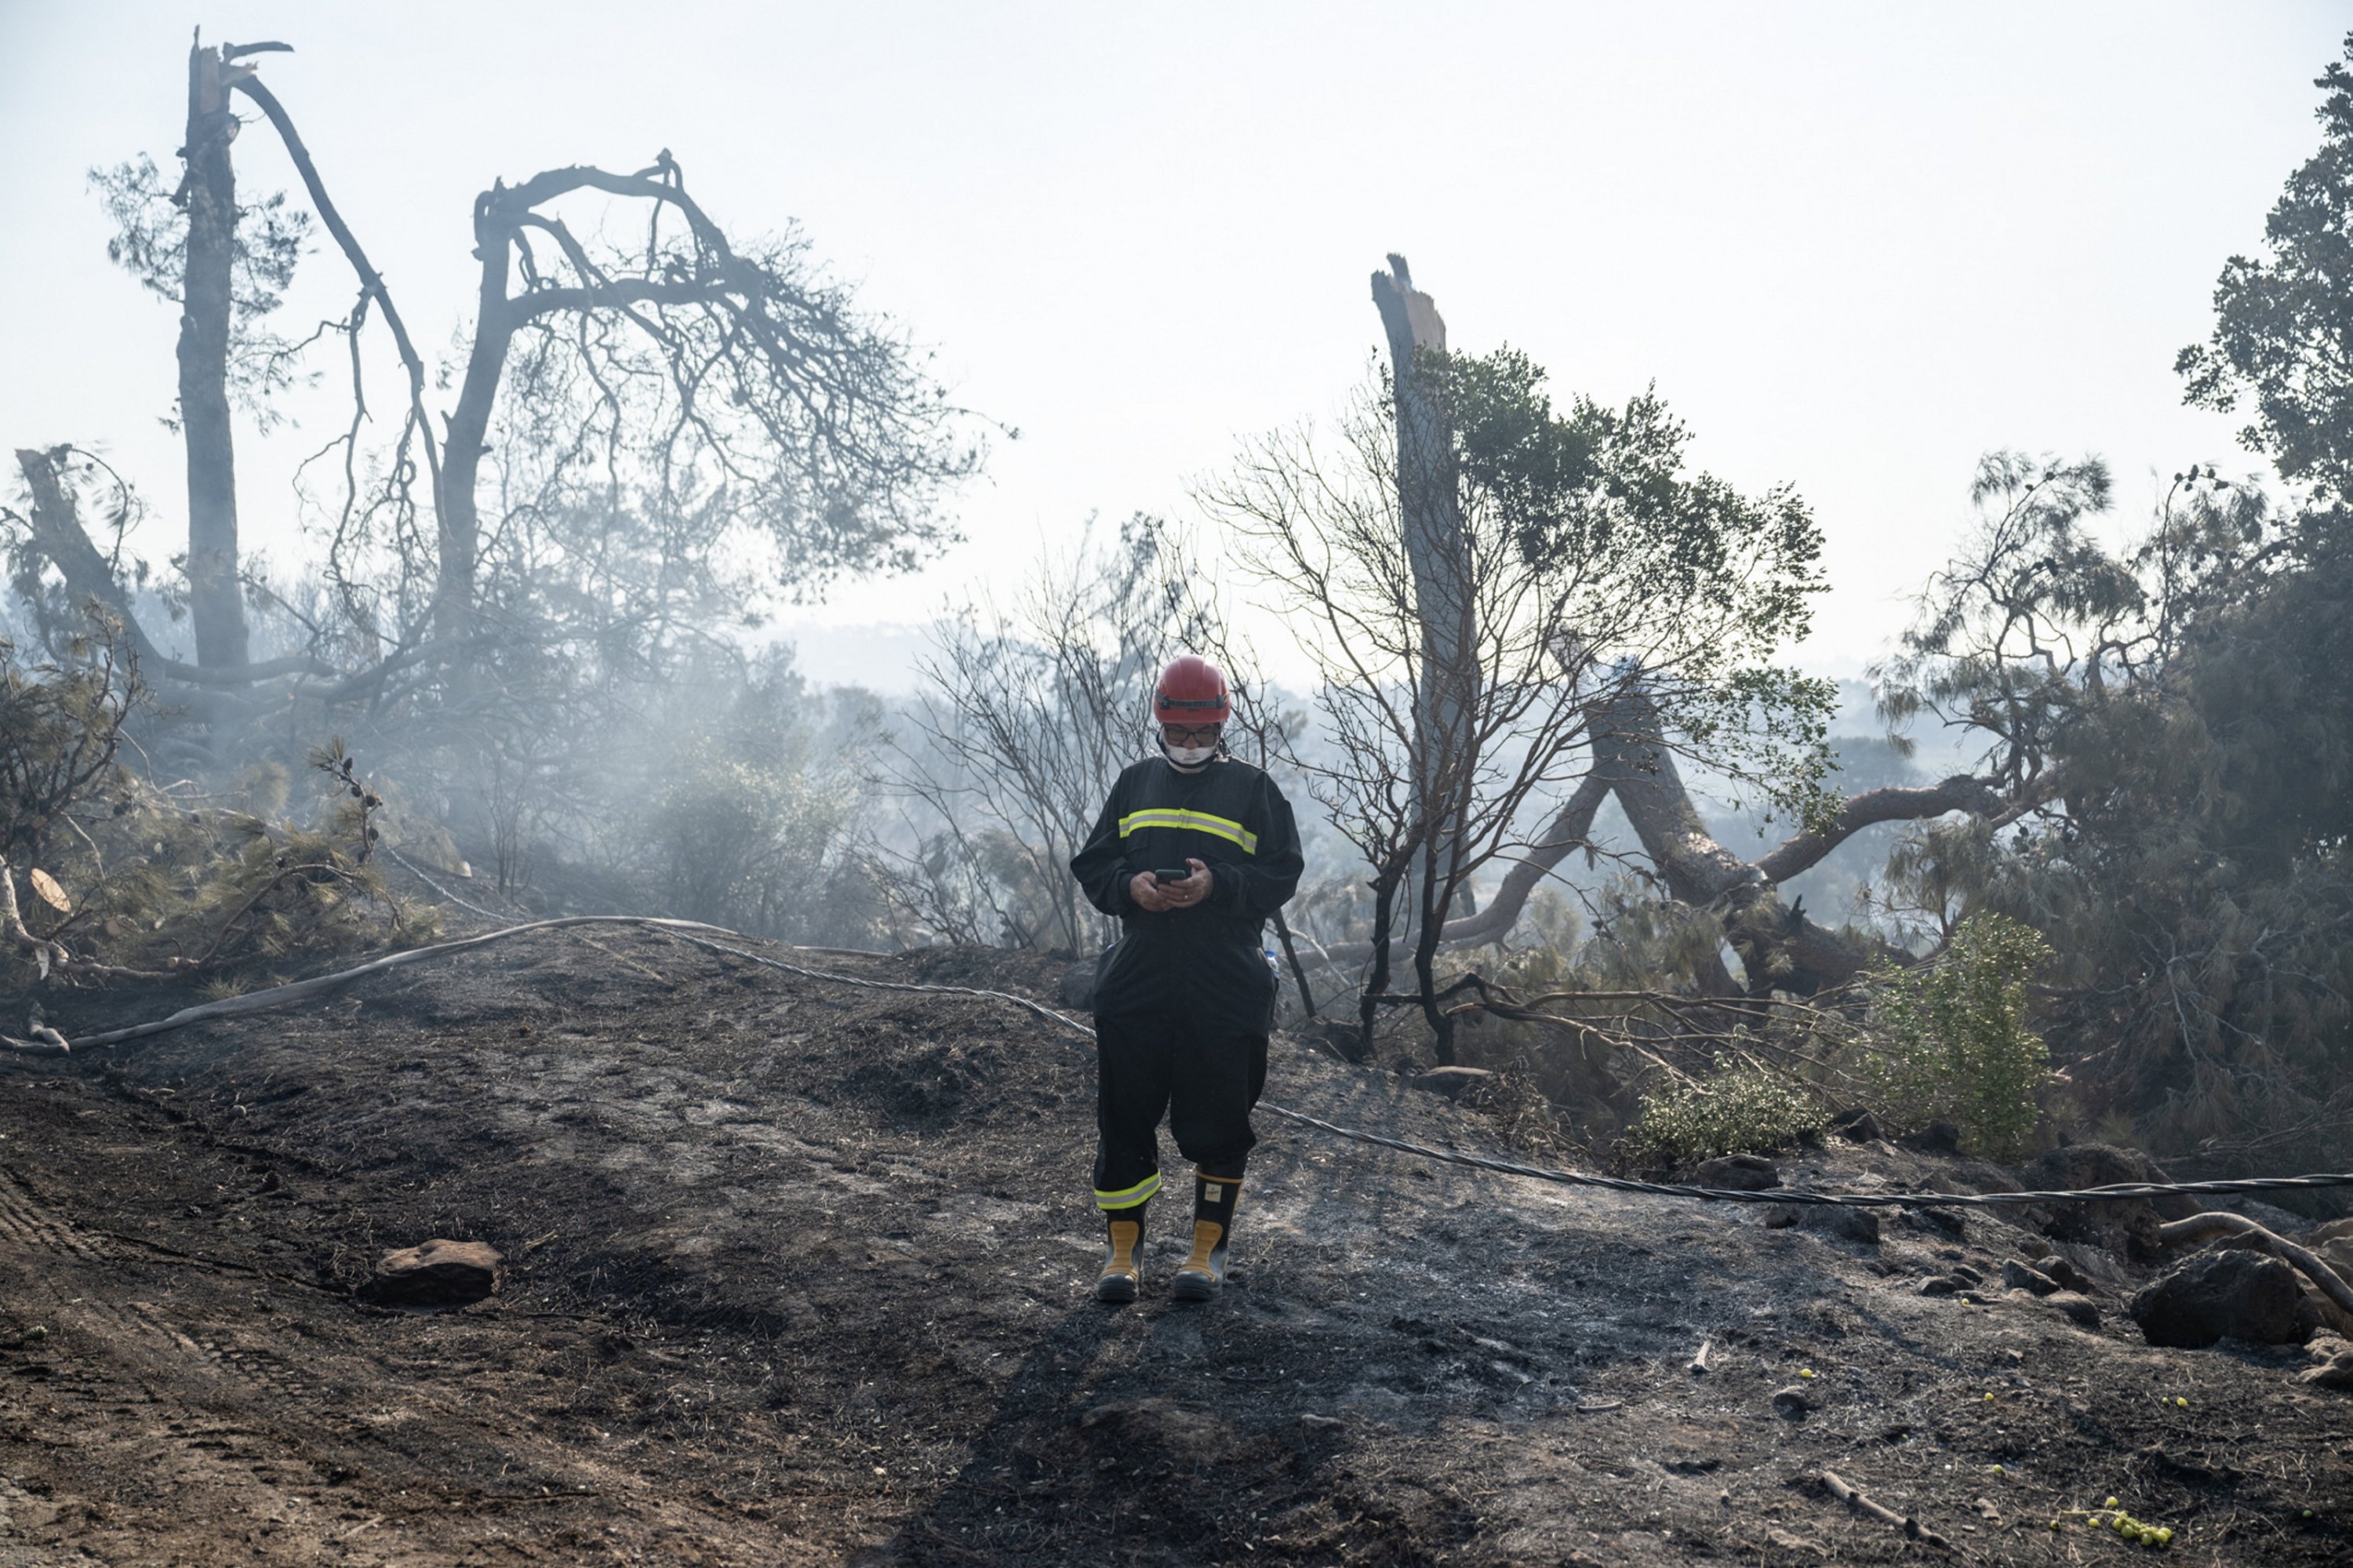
x=1779 y=949
x=1802 y=852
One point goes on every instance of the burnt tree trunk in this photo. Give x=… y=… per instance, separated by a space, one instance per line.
x=1446 y=698
x=56 y=525
x=208 y=192
x=469 y=423
x=1376 y=982
x=57 y=533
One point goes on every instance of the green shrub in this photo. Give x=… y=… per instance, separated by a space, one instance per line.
x=1740 y=1109
x=1949 y=1041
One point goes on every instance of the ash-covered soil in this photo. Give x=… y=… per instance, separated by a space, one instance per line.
x=798 y=1273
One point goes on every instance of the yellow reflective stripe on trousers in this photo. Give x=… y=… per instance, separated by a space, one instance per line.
x=1199 y=821
x=1128 y=1197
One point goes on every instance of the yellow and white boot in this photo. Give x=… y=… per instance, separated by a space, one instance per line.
x=1203 y=1274
x=1122 y=1273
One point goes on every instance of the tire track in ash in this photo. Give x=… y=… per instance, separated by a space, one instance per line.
x=165 y=1395
x=23 y=1220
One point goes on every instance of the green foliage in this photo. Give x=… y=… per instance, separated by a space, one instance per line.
x=1741 y=1107
x=161 y=881
x=2283 y=326
x=1951 y=1040
x=60 y=726
x=150 y=243
x=1606 y=491
x=744 y=844
x=2174 y=721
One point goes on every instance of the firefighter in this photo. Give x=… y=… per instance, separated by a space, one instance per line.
x=1193 y=852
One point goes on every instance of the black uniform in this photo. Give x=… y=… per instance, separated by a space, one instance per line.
x=1185 y=998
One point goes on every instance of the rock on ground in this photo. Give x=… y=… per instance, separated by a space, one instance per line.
x=434 y=1274
x=1471 y=1086
x=2332 y=1362
x=2022 y=1276
x=1739 y=1173
x=2127 y=1227
x=1858 y=1225
x=2227 y=1294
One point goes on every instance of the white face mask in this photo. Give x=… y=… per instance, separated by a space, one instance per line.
x=1189 y=756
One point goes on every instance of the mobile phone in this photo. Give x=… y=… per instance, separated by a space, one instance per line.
x=1179 y=874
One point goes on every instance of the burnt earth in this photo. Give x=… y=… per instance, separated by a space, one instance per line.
x=795 y=1272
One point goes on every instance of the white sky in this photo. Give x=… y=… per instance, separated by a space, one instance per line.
x=1855 y=245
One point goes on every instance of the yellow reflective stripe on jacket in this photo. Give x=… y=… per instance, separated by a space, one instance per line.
x=1127 y=1198
x=1199 y=821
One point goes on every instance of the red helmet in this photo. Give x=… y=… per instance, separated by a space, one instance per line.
x=1191 y=691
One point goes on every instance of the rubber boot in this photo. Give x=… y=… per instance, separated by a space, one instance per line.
x=1122 y=1273
x=1203 y=1274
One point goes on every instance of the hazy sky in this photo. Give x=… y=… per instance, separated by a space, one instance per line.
x=1854 y=245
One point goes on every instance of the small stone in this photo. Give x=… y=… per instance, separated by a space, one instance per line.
x=1856 y=1126
x=1940 y=1284
x=1946 y=1222
x=1795 y=1403
x=2332 y=1362
x=1937 y=1138
x=2081 y=1310
x=2068 y=1276
x=2226 y=1295
x=1739 y=1173
x=1833 y=1220
x=436 y=1274
x=2021 y=1276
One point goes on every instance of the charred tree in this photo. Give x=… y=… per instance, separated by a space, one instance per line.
x=1446 y=696
x=760 y=395
x=1779 y=949
x=207 y=193
x=53 y=529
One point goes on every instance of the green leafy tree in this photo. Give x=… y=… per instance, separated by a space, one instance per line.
x=2171 y=725
x=1951 y=1041
x=1613 y=607
x=1740 y=1109
x=2284 y=325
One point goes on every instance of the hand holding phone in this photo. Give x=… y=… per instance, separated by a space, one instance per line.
x=1161 y=890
